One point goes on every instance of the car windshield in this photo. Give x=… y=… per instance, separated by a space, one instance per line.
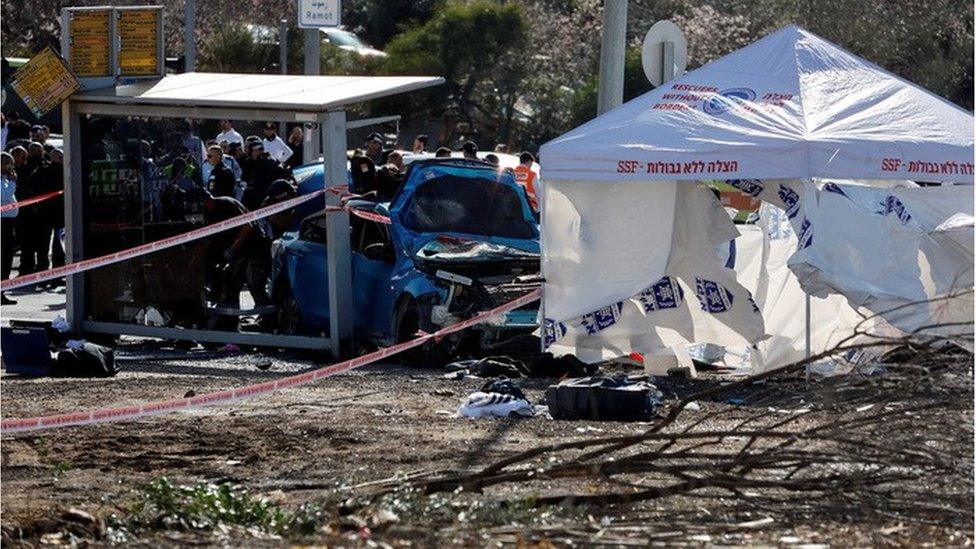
x=469 y=205
x=342 y=38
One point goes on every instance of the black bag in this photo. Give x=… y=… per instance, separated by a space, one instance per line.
x=562 y=367
x=89 y=361
x=603 y=399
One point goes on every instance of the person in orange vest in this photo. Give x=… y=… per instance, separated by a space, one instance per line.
x=526 y=178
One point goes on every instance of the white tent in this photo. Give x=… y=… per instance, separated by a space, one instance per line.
x=792 y=108
x=791 y=105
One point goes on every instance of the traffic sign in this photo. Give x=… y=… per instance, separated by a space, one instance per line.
x=44 y=82
x=319 y=13
x=665 y=53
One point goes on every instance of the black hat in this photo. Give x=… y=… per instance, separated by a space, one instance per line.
x=470 y=147
x=279 y=191
x=375 y=137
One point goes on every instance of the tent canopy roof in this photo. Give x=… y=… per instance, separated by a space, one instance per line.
x=258 y=91
x=791 y=105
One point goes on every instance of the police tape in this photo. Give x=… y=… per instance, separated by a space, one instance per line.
x=110 y=415
x=29 y=201
x=372 y=216
x=196 y=234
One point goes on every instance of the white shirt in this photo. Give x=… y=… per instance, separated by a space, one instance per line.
x=230 y=136
x=278 y=149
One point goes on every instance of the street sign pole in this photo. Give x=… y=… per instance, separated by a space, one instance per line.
x=612 y=50
x=667 y=61
x=313 y=66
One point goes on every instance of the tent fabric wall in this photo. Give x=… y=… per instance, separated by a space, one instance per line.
x=692 y=298
x=762 y=255
x=903 y=253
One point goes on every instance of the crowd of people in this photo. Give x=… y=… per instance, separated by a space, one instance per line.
x=182 y=173
x=31 y=167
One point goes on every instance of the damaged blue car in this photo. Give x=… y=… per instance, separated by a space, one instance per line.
x=457 y=237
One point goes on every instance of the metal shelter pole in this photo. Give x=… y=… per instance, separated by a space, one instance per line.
x=339 y=253
x=612 y=48
x=313 y=66
x=190 y=36
x=73 y=209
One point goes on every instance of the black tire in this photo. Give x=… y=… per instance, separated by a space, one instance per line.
x=289 y=320
x=432 y=354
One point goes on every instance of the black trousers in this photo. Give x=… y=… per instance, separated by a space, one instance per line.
x=7 y=243
x=35 y=241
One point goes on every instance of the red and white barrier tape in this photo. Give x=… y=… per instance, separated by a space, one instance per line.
x=110 y=415
x=196 y=234
x=29 y=201
x=372 y=216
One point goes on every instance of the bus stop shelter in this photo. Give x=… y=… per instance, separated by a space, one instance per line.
x=93 y=120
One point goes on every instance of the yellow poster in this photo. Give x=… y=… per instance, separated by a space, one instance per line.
x=90 y=43
x=138 y=51
x=44 y=82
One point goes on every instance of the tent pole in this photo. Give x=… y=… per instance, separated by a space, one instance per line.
x=807 y=305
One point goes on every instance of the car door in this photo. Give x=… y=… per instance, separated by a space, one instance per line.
x=308 y=273
x=372 y=265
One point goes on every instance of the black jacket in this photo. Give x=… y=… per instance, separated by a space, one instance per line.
x=221 y=181
x=260 y=173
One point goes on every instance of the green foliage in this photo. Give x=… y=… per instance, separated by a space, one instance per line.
x=232 y=48
x=378 y=21
x=161 y=505
x=479 y=48
x=584 y=102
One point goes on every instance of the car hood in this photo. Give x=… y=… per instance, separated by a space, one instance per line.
x=477 y=258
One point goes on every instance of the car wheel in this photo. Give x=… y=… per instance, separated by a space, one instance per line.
x=289 y=320
x=432 y=354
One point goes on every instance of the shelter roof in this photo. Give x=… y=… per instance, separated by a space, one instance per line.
x=257 y=91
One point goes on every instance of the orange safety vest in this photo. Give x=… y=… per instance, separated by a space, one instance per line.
x=526 y=178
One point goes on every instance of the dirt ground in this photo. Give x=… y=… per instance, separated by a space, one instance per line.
x=337 y=438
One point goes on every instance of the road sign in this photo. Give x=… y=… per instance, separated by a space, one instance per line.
x=319 y=13
x=139 y=41
x=90 y=37
x=665 y=53
x=44 y=82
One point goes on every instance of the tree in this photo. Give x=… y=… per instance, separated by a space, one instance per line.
x=477 y=47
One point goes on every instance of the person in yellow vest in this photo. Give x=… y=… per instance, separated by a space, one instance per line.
x=526 y=178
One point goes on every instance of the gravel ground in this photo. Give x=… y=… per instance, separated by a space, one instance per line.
x=308 y=443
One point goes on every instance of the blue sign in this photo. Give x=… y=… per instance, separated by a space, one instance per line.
x=727 y=100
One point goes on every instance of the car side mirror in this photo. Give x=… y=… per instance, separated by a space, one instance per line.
x=379 y=251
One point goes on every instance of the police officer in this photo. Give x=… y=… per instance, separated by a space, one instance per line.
x=237 y=256
x=221 y=181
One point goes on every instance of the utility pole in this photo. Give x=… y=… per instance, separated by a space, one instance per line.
x=313 y=66
x=612 y=49
x=283 y=63
x=190 y=38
